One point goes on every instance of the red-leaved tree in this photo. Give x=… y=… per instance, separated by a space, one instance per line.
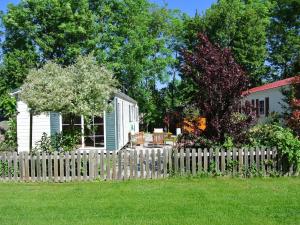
x=220 y=81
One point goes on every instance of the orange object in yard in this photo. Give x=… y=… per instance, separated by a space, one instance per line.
x=191 y=126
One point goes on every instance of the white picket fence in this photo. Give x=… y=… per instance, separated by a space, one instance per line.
x=142 y=164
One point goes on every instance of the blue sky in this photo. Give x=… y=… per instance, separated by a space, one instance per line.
x=187 y=6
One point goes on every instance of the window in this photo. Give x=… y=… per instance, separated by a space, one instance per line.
x=92 y=132
x=130 y=113
x=261 y=107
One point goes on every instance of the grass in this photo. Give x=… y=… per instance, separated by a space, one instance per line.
x=173 y=201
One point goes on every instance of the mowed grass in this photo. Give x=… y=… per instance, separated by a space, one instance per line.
x=173 y=201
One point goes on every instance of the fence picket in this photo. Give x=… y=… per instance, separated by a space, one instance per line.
x=153 y=164
x=78 y=165
x=131 y=164
x=50 y=169
x=120 y=155
x=108 y=165
x=234 y=158
x=205 y=160
x=22 y=169
x=257 y=157
x=240 y=152
x=165 y=162
x=263 y=160
x=38 y=166
x=223 y=166
x=44 y=168
x=102 y=165
x=67 y=160
x=26 y=158
x=9 y=165
x=125 y=165
x=268 y=160
x=32 y=167
x=246 y=158
x=73 y=166
x=170 y=165
x=217 y=159
x=175 y=160
x=251 y=157
x=135 y=161
x=188 y=161
x=55 y=163
x=16 y=171
x=141 y=164
x=199 y=155
x=147 y=164
x=61 y=168
x=114 y=165
x=91 y=165
x=97 y=164
x=181 y=161
x=193 y=162
x=158 y=163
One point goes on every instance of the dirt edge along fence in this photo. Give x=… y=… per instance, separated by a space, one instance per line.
x=142 y=164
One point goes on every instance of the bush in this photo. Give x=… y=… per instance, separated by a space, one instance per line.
x=57 y=142
x=270 y=135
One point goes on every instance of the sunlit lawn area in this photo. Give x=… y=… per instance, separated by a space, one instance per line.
x=174 y=201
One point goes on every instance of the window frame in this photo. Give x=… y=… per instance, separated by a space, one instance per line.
x=82 y=144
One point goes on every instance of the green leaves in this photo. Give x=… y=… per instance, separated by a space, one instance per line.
x=83 y=88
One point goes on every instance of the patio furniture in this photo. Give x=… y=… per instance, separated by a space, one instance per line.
x=137 y=139
x=158 y=138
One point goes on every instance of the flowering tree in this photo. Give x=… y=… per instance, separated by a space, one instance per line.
x=220 y=81
x=292 y=114
x=83 y=88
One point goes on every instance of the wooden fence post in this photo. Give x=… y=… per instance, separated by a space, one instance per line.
x=102 y=165
x=125 y=164
x=73 y=166
x=131 y=164
x=26 y=166
x=199 y=154
x=91 y=165
x=181 y=161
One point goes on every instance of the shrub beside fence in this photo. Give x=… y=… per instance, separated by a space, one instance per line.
x=142 y=164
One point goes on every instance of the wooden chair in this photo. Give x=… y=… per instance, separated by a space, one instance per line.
x=158 y=138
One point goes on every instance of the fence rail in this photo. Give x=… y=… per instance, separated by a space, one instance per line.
x=142 y=164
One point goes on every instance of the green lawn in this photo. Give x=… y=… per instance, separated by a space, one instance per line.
x=174 y=201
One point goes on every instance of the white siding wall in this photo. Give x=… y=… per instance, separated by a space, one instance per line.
x=124 y=124
x=40 y=124
x=23 y=120
x=275 y=99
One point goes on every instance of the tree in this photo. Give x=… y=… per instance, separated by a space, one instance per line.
x=284 y=39
x=239 y=25
x=83 y=88
x=129 y=37
x=220 y=81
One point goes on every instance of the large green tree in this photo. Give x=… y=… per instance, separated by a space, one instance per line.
x=284 y=39
x=239 y=25
x=129 y=36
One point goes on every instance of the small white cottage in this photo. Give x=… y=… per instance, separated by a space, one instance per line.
x=268 y=98
x=112 y=131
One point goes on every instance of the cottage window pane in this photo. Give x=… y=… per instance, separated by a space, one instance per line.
x=94 y=132
x=262 y=107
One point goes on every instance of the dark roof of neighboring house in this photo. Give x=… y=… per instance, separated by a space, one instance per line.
x=272 y=85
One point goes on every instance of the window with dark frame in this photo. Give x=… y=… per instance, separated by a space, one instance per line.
x=262 y=107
